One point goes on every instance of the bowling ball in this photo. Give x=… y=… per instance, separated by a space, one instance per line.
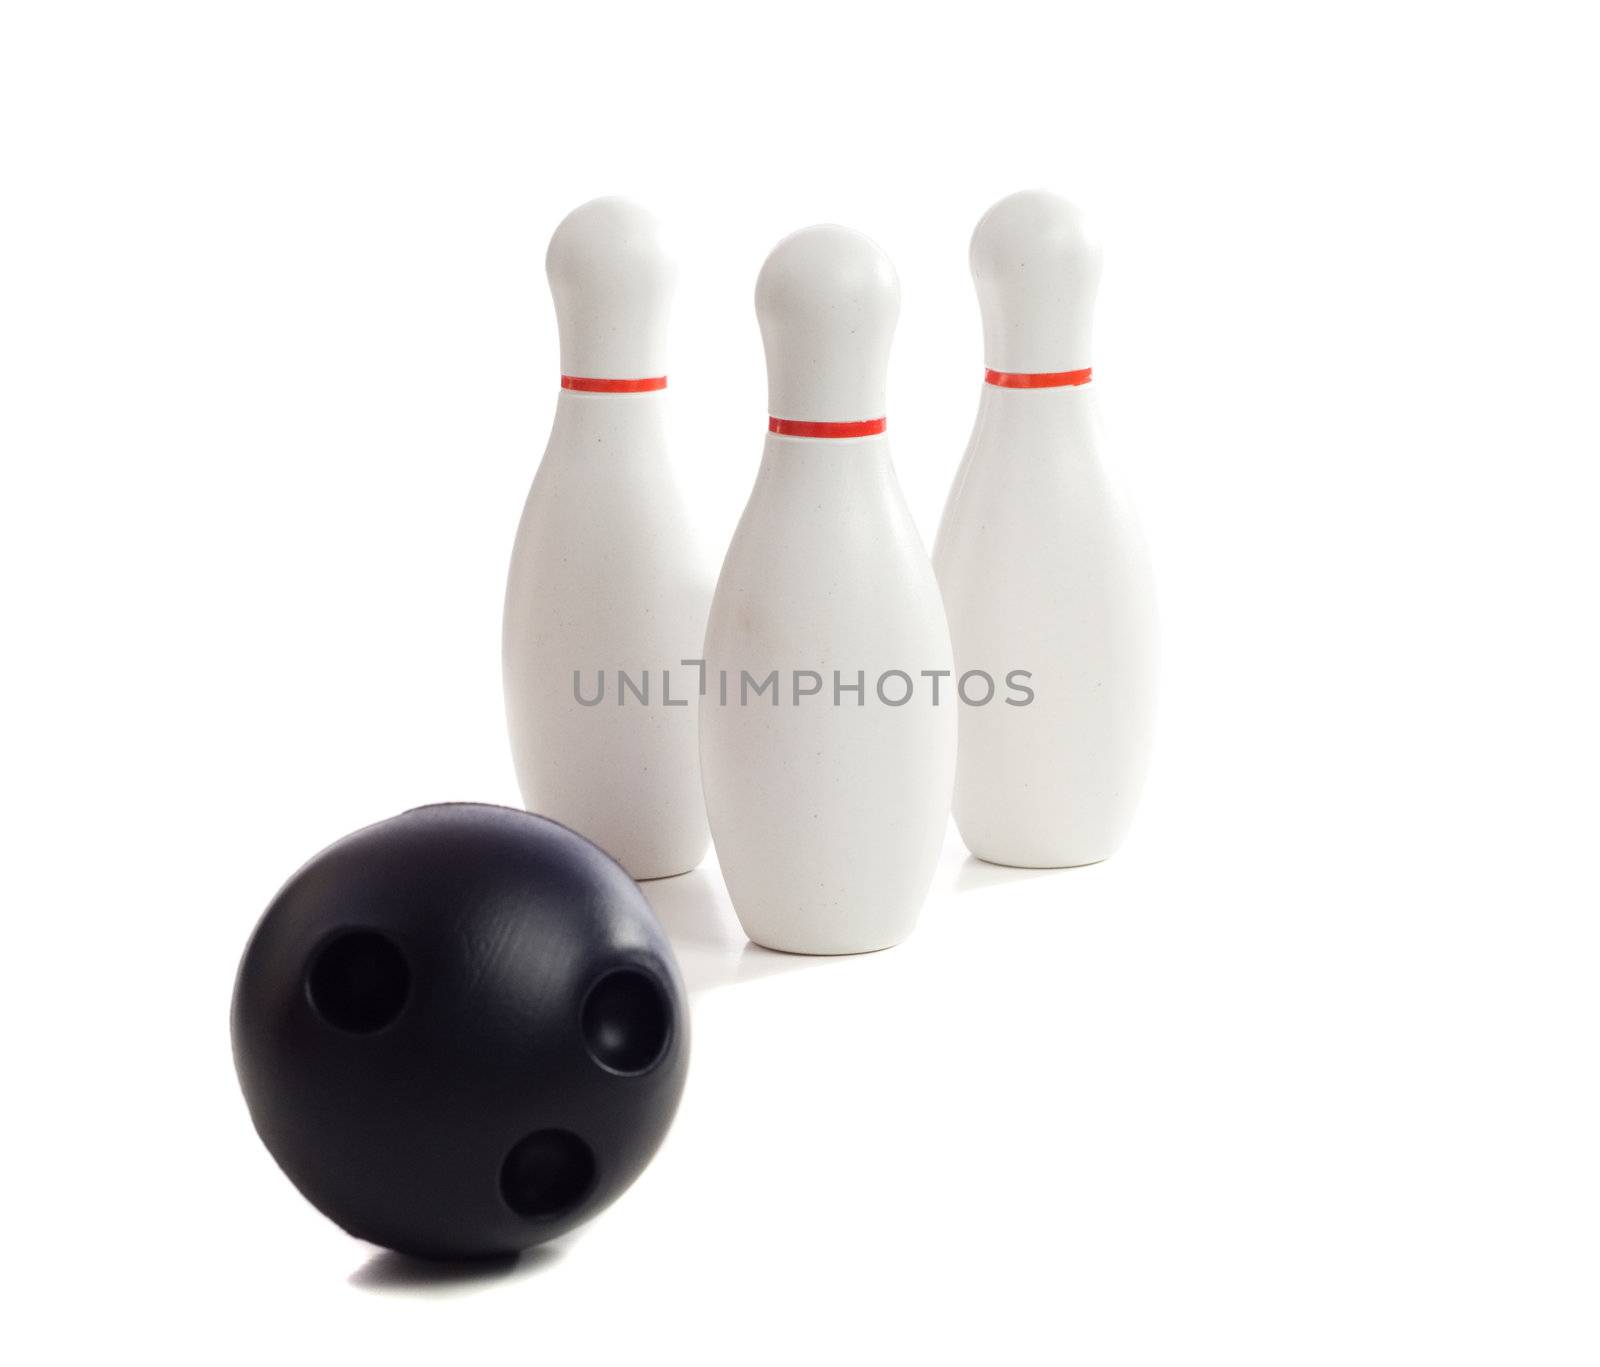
x=460 y=1032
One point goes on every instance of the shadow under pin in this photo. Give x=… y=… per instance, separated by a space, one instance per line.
x=975 y=874
x=712 y=950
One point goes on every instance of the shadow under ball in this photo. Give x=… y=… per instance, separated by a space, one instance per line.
x=460 y=1032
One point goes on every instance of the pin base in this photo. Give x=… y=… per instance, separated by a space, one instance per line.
x=823 y=950
x=1065 y=862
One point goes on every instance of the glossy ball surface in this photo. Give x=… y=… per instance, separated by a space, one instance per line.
x=460 y=1032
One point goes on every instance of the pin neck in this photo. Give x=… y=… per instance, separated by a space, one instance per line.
x=584 y=384
x=1048 y=379
x=793 y=427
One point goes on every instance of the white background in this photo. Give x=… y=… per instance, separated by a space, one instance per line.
x=1307 y=1074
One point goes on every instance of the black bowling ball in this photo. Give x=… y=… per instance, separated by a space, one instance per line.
x=460 y=1032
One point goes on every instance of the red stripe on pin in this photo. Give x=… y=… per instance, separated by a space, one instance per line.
x=1052 y=379
x=789 y=427
x=586 y=385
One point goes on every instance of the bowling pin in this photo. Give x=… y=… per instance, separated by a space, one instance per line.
x=607 y=592
x=1043 y=567
x=829 y=794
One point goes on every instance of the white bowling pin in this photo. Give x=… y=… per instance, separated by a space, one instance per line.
x=829 y=796
x=1042 y=564
x=608 y=591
